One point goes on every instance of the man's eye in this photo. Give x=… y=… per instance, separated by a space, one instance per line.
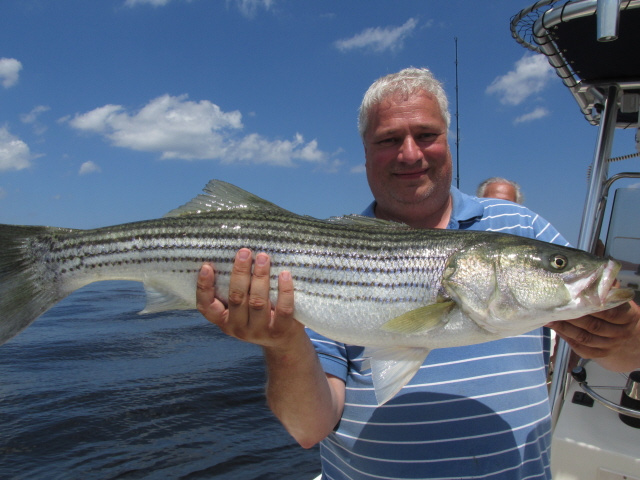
x=424 y=137
x=387 y=141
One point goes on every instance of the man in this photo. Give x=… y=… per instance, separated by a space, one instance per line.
x=497 y=187
x=470 y=412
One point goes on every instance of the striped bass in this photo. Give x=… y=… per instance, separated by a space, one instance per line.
x=398 y=291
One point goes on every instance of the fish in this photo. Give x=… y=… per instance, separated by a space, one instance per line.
x=397 y=291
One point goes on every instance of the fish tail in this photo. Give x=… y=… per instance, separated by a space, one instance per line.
x=25 y=293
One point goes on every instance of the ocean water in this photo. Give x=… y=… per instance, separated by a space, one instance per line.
x=92 y=390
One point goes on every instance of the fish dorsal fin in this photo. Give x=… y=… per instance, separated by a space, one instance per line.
x=392 y=368
x=362 y=221
x=222 y=196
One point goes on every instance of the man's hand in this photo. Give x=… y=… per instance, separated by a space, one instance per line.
x=611 y=337
x=250 y=316
x=308 y=402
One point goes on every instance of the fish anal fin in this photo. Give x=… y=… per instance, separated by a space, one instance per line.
x=420 y=320
x=160 y=299
x=392 y=368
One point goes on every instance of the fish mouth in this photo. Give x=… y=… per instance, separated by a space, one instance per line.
x=599 y=288
x=608 y=279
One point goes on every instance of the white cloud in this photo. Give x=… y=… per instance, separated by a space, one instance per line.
x=97 y=120
x=14 y=153
x=255 y=148
x=89 y=167
x=31 y=118
x=182 y=129
x=531 y=75
x=9 y=70
x=536 y=114
x=155 y=3
x=248 y=8
x=33 y=115
x=379 y=39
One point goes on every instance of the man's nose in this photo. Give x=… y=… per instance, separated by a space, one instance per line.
x=410 y=152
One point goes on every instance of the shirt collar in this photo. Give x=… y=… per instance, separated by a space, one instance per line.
x=466 y=210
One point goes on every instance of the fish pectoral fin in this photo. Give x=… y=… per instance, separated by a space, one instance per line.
x=160 y=299
x=392 y=368
x=420 y=320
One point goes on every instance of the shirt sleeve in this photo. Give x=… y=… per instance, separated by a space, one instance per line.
x=507 y=217
x=546 y=232
x=332 y=354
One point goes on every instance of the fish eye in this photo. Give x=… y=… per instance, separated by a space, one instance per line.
x=558 y=261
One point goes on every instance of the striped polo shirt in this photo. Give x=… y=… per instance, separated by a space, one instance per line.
x=473 y=412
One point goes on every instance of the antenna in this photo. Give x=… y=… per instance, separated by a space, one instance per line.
x=457 y=122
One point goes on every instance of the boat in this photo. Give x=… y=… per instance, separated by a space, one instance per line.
x=594 y=47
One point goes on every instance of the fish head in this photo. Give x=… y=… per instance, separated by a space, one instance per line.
x=513 y=285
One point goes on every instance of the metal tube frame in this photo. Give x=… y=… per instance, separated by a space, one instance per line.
x=608 y=16
x=588 y=232
x=585 y=96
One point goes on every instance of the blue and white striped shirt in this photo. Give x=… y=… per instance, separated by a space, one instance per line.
x=474 y=412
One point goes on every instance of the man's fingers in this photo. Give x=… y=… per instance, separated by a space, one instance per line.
x=284 y=306
x=249 y=315
x=599 y=334
x=622 y=314
x=205 y=291
x=284 y=322
x=206 y=302
x=260 y=284
x=240 y=280
x=578 y=335
x=588 y=329
x=249 y=307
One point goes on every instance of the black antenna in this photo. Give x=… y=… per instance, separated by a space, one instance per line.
x=457 y=122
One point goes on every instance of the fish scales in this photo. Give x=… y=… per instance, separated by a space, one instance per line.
x=397 y=291
x=333 y=253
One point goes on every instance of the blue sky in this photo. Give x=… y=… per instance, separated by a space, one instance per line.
x=121 y=110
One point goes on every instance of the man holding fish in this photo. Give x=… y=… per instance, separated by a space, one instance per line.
x=477 y=411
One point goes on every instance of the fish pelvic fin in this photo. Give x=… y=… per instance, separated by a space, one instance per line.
x=222 y=196
x=392 y=368
x=420 y=320
x=25 y=293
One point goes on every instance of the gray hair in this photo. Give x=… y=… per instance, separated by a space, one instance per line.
x=405 y=82
x=483 y=186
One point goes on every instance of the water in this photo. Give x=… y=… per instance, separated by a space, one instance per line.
x=92 y=390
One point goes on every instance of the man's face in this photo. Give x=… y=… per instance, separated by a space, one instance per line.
x=408 y=159
x=503 y=191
